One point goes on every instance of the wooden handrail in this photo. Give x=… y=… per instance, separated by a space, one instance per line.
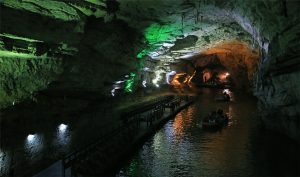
x=69 y=159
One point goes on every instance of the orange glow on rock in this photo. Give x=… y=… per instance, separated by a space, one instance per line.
x=176 y=80
x=239 y=59
x=181 y=80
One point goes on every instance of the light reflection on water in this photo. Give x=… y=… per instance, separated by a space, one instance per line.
x=183 y=149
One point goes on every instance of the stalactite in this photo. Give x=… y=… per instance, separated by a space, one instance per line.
x=284 y=8
x=182 y=20
x=198 y=12
x=197 y=16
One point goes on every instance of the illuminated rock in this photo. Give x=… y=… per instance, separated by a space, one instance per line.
x=98 y=43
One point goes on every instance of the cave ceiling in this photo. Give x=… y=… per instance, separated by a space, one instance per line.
x=122 y=33
x=163 y=23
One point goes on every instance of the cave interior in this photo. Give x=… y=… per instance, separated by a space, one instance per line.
x=65 y=58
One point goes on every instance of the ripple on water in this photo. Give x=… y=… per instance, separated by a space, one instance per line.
x=183 y=149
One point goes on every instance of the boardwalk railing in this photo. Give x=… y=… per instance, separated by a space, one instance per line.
x=131 y=121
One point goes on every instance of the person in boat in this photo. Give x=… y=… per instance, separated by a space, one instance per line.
x=215 y=119
x=211 y=118
x=221 y=116
x=214 y=115
x=220 y=112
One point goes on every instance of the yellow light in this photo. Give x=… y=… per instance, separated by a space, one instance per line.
x=186 y=79
x=189 y=81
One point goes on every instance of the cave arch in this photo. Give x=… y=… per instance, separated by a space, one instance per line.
x=234 y=58
x=237 y=57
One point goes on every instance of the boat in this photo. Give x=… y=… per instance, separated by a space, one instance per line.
x=217 y=86
x=215 y=121
x=222 y=98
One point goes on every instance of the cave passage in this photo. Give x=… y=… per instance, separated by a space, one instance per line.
x=230 y=64
x=133 y=88
x=183 y=148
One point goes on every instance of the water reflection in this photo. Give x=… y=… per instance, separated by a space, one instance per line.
x=183 y=149
x=182 y=122
x=178 y=127
x=230 y=116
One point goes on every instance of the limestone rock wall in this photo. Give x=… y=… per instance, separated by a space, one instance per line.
x=277 y=80
x=19 y=78
x=62 y=46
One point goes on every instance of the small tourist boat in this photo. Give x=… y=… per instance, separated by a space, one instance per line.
x=215 y=121
x=222 y=98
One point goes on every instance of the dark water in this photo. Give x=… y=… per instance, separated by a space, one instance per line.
x=183 y=149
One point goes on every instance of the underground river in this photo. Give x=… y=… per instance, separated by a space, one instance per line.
x=181 y=148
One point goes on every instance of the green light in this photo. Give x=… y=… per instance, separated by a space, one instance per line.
x=98 y=13
x=129 y=83
x=97 y=2
x=133 y=168
x=142 y=54
x=11 y=36
x=10 y=54
x=159 y=33
x=55 y=9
